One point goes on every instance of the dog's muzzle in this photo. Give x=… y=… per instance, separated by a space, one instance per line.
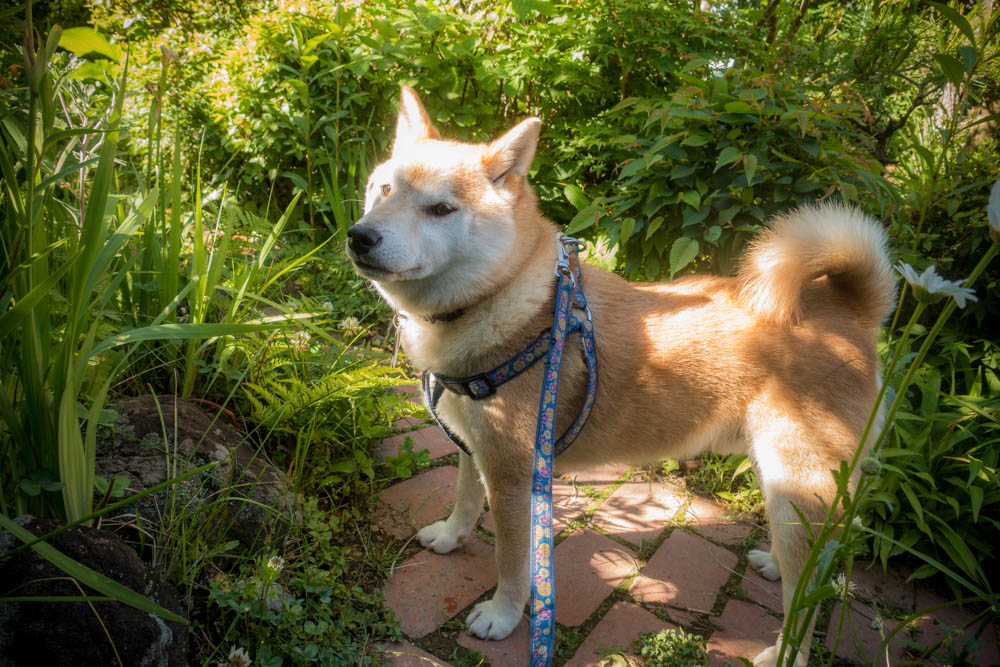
x=362 y=239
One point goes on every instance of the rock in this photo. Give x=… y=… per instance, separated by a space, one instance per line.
x=60 y=633
x=144 y=445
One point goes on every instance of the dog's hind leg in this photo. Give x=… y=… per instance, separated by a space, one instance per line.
x=765 y=563
x=444 y=536
x=794 y=469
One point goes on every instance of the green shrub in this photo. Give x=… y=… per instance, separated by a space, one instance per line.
x=704 y=167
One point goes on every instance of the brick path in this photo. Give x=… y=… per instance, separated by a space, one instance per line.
x=631 y=556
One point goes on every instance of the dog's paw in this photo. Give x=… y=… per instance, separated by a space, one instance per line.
x=439 y=538
x=493 y=620
x=769 y=657
x=766 y=564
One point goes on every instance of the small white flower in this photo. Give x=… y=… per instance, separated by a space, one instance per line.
x=843 y=586
x=929 y=286
x=350 y=326
x=238 y=657
x=327 y=306
x=993 y=212
x=576 y=55
x=275 y=563
x=300 y=341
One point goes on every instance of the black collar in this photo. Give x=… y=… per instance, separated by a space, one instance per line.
x=450 y=316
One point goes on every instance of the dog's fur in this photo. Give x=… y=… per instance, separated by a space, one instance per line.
x=779 y=362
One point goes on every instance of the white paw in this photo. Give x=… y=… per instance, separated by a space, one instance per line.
x=769 y=657
x=439 y=538
x=766 y=564
x=493 y=620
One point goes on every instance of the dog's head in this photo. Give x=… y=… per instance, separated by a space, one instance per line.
x=440 y=216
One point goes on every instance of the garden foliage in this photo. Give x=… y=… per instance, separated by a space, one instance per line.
x=178 y=180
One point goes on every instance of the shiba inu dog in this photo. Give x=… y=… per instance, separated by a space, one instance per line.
x=779 y=361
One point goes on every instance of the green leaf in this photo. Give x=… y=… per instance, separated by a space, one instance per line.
x=632 y=167
x=628 y=225
x=297 y=181
x=653 y=225
x=87 y=576
x=818 y=595
x=750 y=166
x=970 y=56
x=681 y=253
x=713 y=234
x=960 y=21
x=576 y=196
x=696 y=140
x=691 y=198
x=738 y=106
x=85 y=41
x=585 y=218
x=951 y=66
x=976 y=495
x=728 y=155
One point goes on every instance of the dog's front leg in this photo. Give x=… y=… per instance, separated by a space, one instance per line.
x=511 y=507
x=444 y=536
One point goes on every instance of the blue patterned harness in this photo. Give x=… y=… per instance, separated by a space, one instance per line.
x=570 y=315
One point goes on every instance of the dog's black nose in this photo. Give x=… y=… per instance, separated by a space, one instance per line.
x=362 y=239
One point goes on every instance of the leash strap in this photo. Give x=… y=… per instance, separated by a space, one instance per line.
x=571 y=314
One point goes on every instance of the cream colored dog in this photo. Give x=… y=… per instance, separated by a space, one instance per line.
x=779 y=362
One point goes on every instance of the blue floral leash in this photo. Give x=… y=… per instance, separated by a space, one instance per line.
x=571 y=315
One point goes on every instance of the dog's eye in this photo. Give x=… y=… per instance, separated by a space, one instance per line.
x=440 y=210
x=386 y=189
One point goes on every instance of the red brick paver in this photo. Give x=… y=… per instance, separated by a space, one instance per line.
x=569 y=502
x=623 y=623
x=862 y=635
x=431 y=438
x=405 y=654
x=932 y=628
x=514 y=651
x=709 y=519
x=410 y=505
x=762 y=591
x=745 y=630
x=638 y=511
x=686 y=571
x=588 y=567
x=429 y=588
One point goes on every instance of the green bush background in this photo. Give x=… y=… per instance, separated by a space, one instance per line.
x=672 y=131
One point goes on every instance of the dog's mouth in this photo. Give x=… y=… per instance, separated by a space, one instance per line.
x=379 y=273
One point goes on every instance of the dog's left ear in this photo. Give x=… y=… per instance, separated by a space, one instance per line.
x=512 y=153
x=413 y=123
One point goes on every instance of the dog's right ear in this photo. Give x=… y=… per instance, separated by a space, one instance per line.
x=413 y=123
x=512 y=153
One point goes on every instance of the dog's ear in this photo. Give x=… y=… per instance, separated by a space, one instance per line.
x=413 y=123
x=512 y=153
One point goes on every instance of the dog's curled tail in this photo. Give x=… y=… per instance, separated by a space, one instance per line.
x=830 y=239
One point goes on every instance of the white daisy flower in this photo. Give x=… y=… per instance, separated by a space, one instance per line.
x=300 y=341
x=929 y=286
x=238 y=657
x=350 y=326
x=843 y=586
x=275 y=563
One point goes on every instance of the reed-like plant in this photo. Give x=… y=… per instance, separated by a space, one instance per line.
x=74 y=251
x=843 y=532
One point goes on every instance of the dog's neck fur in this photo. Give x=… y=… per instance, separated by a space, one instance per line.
x=486 y=334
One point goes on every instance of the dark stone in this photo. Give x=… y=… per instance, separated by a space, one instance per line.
x=156 y=439
x=64 y=633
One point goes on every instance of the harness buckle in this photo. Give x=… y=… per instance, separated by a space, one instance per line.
x=480 y=380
